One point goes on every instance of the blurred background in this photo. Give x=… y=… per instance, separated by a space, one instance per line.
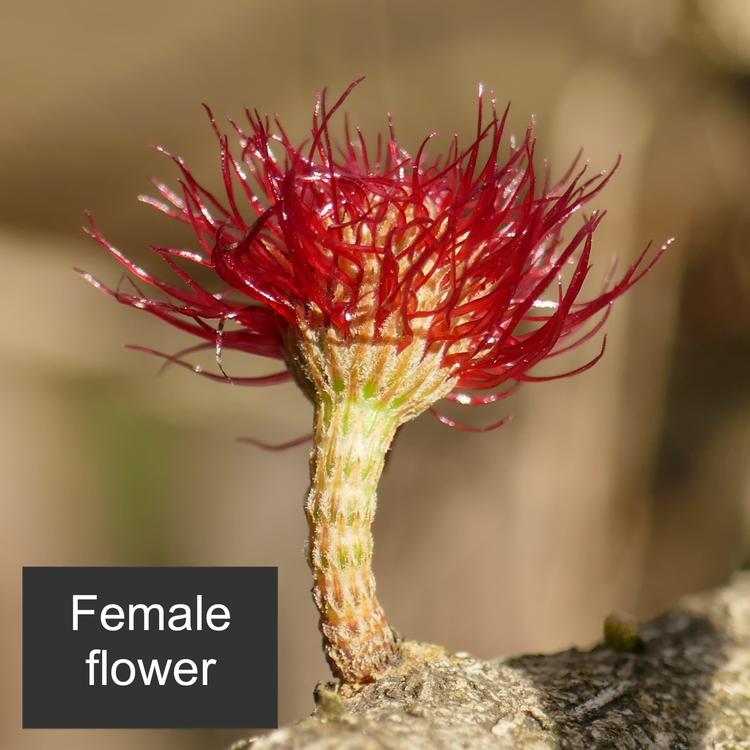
x=621 y=488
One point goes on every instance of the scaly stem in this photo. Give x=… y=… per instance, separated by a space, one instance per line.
x=350 y=442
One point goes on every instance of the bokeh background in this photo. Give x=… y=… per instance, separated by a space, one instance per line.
x=621 y=488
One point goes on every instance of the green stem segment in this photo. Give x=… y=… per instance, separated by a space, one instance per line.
x=351 y=440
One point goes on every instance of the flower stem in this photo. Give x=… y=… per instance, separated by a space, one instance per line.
x=350 y=442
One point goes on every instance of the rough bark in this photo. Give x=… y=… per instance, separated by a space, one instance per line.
x=687 y=685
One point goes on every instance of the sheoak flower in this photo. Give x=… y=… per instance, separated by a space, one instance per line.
x=385 y=282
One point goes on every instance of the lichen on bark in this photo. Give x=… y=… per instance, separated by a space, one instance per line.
x=688 y=687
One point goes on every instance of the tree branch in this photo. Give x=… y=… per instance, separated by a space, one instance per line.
x=687 y=686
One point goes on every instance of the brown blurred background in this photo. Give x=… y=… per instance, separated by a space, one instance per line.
x=621 y=488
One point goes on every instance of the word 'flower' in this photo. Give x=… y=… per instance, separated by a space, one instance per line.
x=385 y=282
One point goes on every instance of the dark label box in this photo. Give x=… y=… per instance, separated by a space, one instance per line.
x=149 y=647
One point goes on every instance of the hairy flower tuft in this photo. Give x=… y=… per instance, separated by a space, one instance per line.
x=464 y=251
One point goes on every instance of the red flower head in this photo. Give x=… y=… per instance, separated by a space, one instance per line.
x=385 y=282
x=463 y=252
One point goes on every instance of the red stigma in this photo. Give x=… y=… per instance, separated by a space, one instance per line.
x=330 y=227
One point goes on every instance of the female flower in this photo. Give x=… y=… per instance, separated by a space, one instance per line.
x=385 y=282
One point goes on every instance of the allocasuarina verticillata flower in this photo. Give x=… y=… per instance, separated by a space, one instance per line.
x=385 y=282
